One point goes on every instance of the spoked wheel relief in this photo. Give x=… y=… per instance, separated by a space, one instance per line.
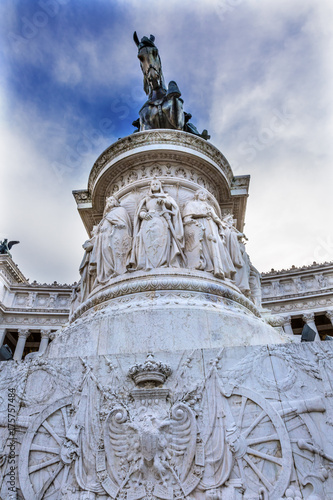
x=43 y=466
x=262 y=452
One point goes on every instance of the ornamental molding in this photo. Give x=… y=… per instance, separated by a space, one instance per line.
x=299 y=296
x=45 y=300
x=154 y=282
x=31 y=320
x=163 y=137
x=298 y=270
x=167 y=298
x=299 y=306
x=169 y=168
x=297 y=286
x=82 y=196
x=31 y=310
x=11 y=271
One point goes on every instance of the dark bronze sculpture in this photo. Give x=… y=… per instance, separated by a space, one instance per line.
x=6 y=245
x=164 y=107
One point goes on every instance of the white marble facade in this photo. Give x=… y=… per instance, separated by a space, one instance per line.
x=169 y=381
x=233 y=423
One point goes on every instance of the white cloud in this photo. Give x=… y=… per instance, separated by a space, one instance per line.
x=259 y=67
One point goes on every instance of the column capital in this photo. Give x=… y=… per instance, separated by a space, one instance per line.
x=45 y=333
x=286 y=319
x=22 y=337
x=24 y=332
x=329 y=315
x=308 y=317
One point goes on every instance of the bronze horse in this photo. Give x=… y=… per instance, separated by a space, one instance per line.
x=164 y=107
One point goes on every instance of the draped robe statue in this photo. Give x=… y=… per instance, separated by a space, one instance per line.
x=87 y=279
x=243 y=272
x=158 y=231
x=237 y=254
x=232 y=243
x=255 y=285
x=205 y=247
x=112 y=245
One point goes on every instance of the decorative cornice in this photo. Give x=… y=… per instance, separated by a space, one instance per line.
x=293 y=270
x=55 y=284
x=311 y=294
x=151 y=137
x=82 y=196
x=12 y=269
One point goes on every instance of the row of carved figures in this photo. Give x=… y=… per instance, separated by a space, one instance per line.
x=163 y=237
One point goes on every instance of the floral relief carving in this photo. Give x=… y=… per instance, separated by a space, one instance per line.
x=162 y=170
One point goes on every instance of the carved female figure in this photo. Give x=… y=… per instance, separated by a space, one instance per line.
x=255 y=285
x=158 y=231
x=87 y=278
x=112 y=245
x=205 y=247
x=243 y=271
x=232 y=243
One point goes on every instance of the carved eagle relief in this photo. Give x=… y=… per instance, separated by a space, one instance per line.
x=149 y=448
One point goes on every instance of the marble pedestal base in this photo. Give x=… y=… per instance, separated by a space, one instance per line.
x=161 y=311
x=241 y=422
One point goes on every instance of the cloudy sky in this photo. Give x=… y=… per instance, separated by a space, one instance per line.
x=256 y=73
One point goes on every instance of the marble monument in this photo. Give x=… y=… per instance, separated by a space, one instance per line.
x=170 y=380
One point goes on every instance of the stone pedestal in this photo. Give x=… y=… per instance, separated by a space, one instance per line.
x=163 y=310
x=237 y=422
x=168 y=381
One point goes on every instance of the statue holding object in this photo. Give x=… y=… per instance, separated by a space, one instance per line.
x=87 y=277
x=205 y=245
x=112 y=243
x=158 y=239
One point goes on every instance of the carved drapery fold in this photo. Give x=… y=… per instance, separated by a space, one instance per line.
x=187 y=234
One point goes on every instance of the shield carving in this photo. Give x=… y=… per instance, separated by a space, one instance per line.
x=149 y=445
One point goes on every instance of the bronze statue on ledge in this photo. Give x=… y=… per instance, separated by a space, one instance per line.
x=164 y=107
x=6 y=245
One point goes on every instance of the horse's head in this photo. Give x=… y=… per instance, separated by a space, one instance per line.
x=150 y=63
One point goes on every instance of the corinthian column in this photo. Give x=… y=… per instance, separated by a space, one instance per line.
x=309 y=320
x=45 y=336
x=2 y=335
x=22 y=338
x=287 y=325
x=329 y=315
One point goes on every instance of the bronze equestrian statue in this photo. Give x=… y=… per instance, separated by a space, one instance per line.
x=164 y=107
